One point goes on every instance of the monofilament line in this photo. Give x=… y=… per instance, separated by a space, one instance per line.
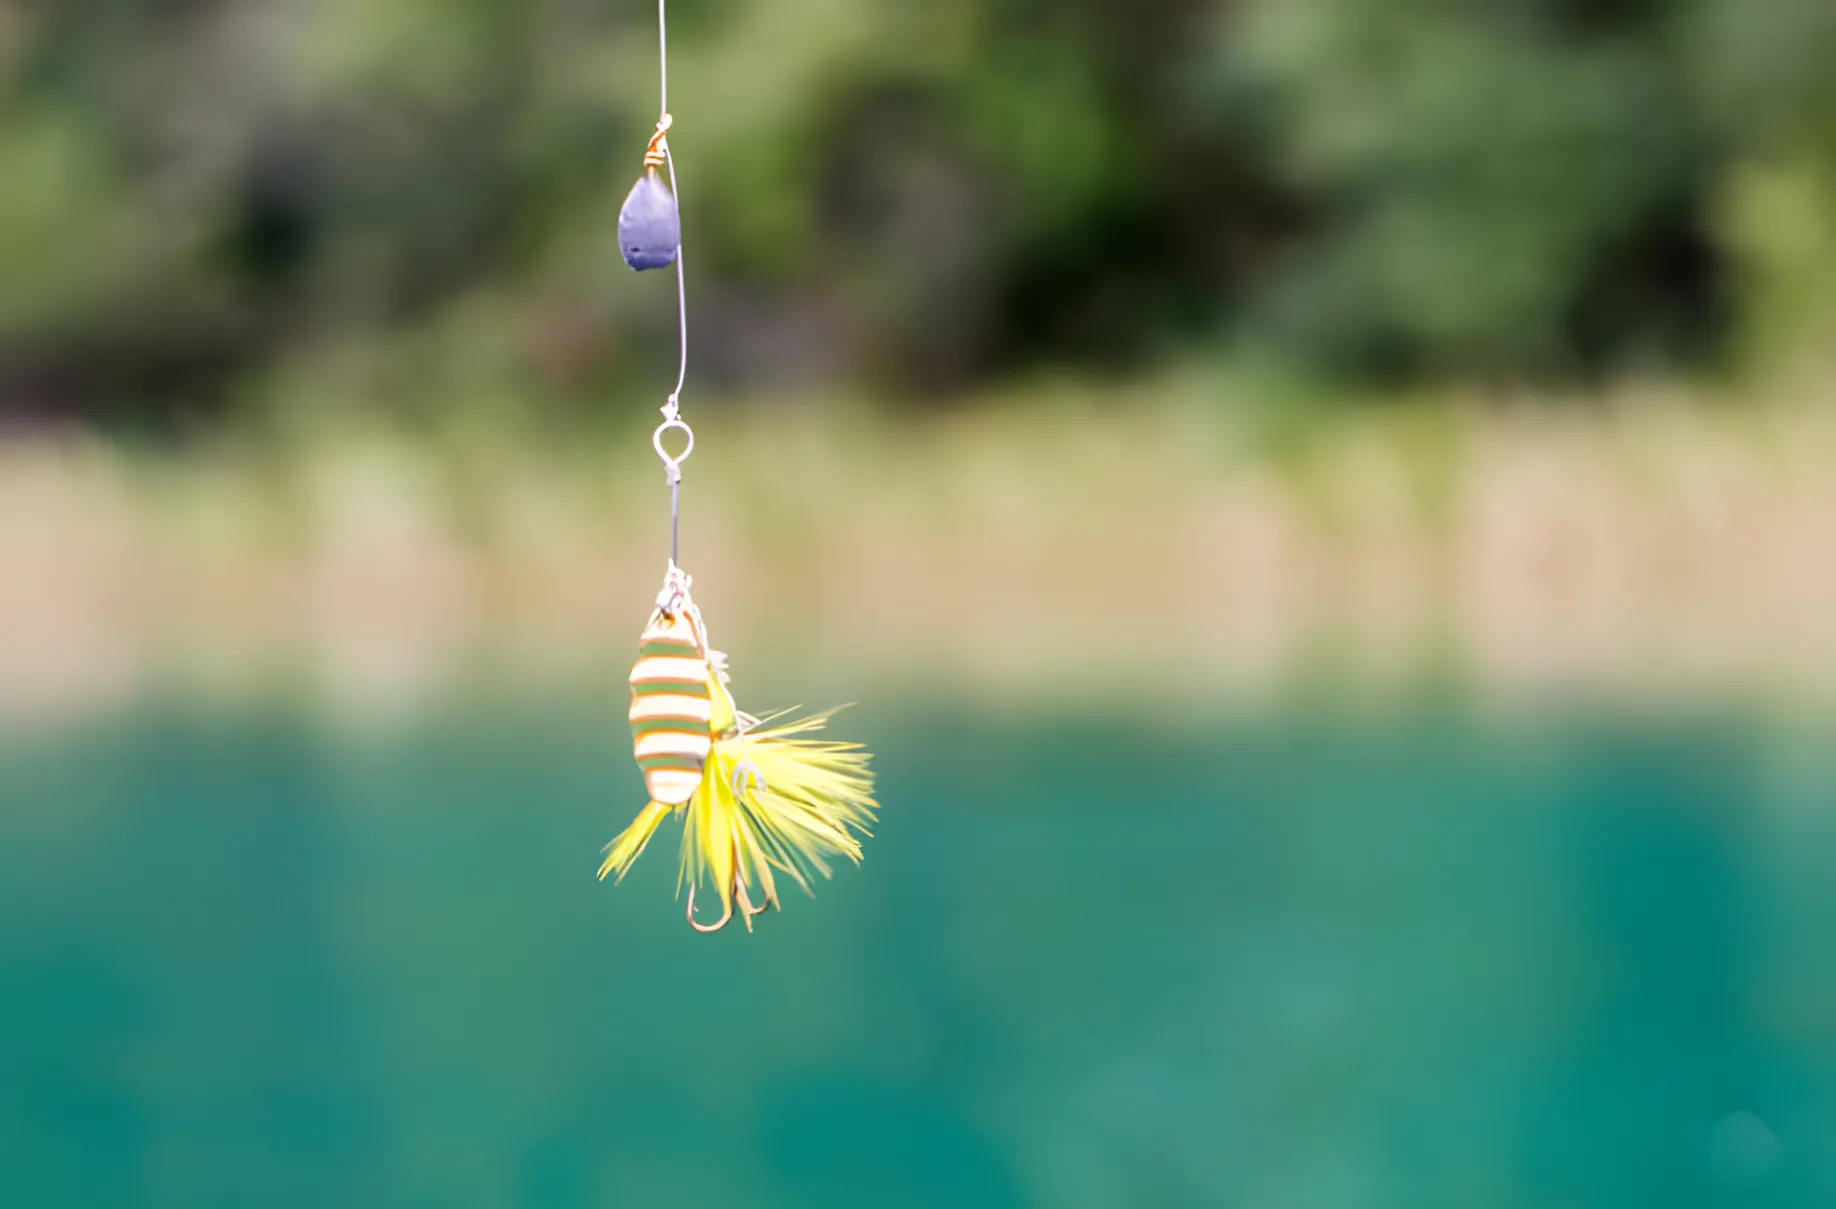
x=663 y=51
x=672 y=408
x=681 y=292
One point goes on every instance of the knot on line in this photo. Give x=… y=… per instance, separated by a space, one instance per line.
x=657 y=154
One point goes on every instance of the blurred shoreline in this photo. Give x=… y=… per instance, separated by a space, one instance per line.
x=1021 y=548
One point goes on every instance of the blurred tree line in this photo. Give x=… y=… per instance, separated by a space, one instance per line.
x=413 y=201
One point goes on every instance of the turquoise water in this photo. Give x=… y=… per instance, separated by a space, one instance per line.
x=1410 y=958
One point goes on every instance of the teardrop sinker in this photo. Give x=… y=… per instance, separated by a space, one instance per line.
x=649 y=229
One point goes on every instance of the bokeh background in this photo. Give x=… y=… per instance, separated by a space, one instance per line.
x=1327 y=508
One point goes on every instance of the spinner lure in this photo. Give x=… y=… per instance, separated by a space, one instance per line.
x=757 y=796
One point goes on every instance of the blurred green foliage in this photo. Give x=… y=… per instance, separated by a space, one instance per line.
x=414 y=201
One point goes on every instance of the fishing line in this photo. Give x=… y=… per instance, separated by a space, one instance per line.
x=650 y=237
x=758 y=799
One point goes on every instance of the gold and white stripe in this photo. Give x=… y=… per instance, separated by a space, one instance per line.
x=671 y=707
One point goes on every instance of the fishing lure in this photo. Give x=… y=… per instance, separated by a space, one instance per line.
x=756 y=795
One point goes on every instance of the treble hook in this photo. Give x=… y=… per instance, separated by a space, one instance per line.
x=747 y=777
x=745 y=902
x=738 y=894
x=725 y=919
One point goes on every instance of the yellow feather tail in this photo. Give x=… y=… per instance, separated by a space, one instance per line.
x=630 y=845
x=775 y=799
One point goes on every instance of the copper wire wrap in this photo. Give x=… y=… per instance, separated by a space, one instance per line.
x=657 y=154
